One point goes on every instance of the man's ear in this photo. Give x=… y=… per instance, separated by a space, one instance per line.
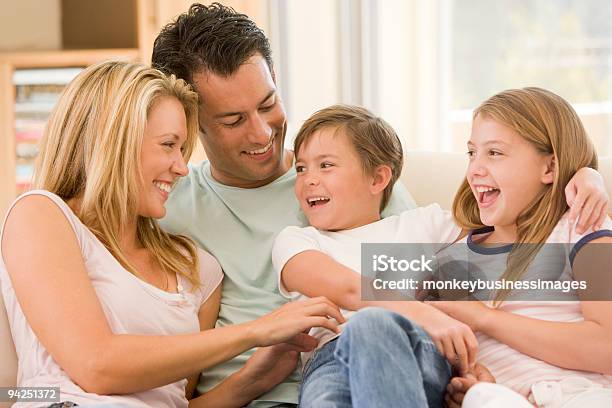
x=381 y=177
x=549 y=172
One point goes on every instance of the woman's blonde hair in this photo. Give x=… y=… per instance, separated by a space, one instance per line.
x=552 y=126
x=91 y=151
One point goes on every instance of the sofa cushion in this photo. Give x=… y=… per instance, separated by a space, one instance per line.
x=434 y=177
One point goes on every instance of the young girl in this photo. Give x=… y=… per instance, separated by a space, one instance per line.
x=524 y=147
x=347 y=161
x=101 y=302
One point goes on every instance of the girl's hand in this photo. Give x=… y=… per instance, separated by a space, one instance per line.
x=588 y=200
x=473 y=313
x=294 y=318
x=458 y=386
x=454 y=339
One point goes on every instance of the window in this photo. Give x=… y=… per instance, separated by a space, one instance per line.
x=423 y=65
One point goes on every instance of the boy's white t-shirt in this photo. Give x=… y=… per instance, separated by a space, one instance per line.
x=428 y=224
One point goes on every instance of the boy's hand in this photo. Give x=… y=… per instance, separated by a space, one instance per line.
x=458 y=386
x=588 y=200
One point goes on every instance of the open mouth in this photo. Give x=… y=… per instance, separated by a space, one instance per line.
x=263 y=150
x=164 y=187
x=486 y=195
x=317 y=201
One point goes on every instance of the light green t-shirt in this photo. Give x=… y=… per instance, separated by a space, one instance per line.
x=238 y=227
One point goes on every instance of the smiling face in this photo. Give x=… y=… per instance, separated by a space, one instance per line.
x=331 y=186
x=243 y=125
x=505 y=173
x=161 y=155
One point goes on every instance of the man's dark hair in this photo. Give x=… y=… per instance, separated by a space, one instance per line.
x=211 y=38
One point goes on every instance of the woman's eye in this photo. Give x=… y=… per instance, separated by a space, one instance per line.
x=170 y=144
x=471 y=153
x=326 y=165
x=494 y=153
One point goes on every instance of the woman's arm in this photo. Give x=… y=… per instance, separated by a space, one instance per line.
x=581 y=345
x=48 y=275
x=208 y=314
x=314 y=273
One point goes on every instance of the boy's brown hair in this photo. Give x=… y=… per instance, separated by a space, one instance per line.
x=375 y=141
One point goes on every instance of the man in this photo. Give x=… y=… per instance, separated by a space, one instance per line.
x=234 y=204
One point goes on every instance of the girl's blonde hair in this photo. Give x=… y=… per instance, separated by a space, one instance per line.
x=91 y=151
x=552 y=126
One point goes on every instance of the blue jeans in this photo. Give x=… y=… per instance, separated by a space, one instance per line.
x=381 y=359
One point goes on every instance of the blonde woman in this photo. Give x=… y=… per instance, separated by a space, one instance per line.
x=102 y=303
x=525 y=146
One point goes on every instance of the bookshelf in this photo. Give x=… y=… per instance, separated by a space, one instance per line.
x=30 y=83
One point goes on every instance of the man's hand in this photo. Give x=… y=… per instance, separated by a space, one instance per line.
x=587 y=198
x=458 y=386
x=269 y=366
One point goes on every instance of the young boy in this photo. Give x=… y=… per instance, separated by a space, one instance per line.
x=347 y=161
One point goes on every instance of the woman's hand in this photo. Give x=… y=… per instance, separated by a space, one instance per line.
x=454 y=339
x=473 y=313
x=296 y=317
x=587 y=198
x=458 y=386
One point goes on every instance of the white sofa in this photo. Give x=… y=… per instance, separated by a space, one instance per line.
x=435 y=177
x=430 y=177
